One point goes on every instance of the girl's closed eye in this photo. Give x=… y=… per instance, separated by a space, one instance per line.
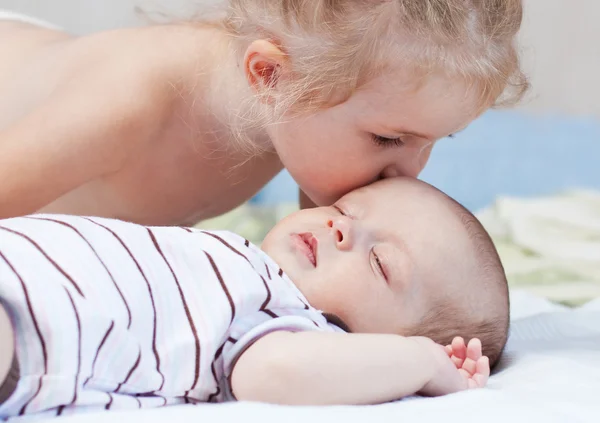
x=381 y=141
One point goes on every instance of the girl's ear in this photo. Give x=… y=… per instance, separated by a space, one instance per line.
x=264 y=64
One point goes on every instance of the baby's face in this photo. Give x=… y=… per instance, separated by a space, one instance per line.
x=387 y=128
x=372 y=258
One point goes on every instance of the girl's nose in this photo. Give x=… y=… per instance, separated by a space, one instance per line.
x=410 y=164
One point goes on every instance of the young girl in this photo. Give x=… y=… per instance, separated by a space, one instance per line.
x=172 y=124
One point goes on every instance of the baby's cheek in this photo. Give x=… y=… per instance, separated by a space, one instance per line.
x=350 y=284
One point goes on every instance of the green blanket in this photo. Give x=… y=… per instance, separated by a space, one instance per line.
x=550 y=245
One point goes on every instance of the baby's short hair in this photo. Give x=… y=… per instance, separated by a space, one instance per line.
x=448 y=317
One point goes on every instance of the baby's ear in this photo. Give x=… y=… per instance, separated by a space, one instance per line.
x=265 y=64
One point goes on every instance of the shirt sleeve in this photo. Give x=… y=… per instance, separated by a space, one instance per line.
x=248 y=329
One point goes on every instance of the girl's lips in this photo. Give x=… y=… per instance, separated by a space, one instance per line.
x=307 y=243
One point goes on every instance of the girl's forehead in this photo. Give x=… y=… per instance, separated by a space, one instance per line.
x=436 y=108
x=400 y=84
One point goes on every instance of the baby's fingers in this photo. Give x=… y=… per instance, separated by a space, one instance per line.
x=470 y=366
x=481 y=377
x=459 y=347
x=459 y=352
x=474 y=349
x=483 y=366
x=448 y=349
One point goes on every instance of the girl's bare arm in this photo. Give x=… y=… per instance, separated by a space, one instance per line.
x=107 y=103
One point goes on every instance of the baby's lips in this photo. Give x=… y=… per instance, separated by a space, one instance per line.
x=313 y=244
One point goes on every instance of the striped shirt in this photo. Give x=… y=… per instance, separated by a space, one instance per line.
x=109 y=314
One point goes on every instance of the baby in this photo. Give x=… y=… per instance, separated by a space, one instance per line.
x=359 y=303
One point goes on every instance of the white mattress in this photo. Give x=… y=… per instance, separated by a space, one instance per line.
x=551 y=373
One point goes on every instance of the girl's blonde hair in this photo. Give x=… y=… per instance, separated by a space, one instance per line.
x=335 y=45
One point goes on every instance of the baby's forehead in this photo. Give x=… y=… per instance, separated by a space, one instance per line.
x=400 y=192
x=413 y=210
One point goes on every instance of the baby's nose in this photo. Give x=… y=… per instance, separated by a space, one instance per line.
x=342 y=232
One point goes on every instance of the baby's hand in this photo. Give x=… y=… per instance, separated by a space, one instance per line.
x=459 y=367
x=472 y=365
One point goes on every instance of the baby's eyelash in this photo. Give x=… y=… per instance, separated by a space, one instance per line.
x=378 y=264
x=339 y=210
x=343 y=212
x=387 y=142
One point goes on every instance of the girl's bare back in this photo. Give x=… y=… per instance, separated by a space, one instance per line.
x=116 y=125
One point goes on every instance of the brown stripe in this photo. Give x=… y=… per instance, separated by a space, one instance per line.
x=110 y=401
x=223 y=286
x=225 y=243
x=247 y=243
x=152 y=395
x=268 y=271
x=56 y=266
x=135 y=366
x=270 y=313
x=77 y=318
x=215 y=394
x=232 y=340
x=60 y=410
x=280 y=273
x=146 y=394
x=268 y=299
x=214 y=373
x=139 y=402
x=154 y=348
x=37 y=330
x=186 y=229
x=306 y=307
x=106 y=335
x=187 y=313
x=60 y=222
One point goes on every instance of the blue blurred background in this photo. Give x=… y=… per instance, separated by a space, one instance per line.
x=501 y=153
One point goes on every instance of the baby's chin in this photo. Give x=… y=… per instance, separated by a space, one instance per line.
x=279 y=252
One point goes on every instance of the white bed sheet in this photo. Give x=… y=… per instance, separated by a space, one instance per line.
x=550 y=373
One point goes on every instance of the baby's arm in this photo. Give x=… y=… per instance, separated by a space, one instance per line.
x=313 y=368
x=105 y=104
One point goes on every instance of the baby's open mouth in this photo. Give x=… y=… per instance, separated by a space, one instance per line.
x=311 y=243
